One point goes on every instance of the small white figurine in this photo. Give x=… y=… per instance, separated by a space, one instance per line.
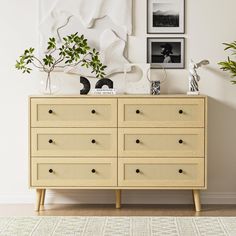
x=194 y=78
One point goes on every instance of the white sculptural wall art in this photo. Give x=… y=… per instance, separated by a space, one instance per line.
x=105 y=23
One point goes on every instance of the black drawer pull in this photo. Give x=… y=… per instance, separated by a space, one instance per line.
x=180 y=171
x=181 y=111
x=93 y=141
x=137 y=171
x=137 y=141
x=137 y=111
x=93 y=111
x=50 y=111
x=50 y=141
x=181 y=141
x=50 y=171
x=93 y=171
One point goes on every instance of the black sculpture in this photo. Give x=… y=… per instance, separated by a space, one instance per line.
x=103 y=82
x=86 y=84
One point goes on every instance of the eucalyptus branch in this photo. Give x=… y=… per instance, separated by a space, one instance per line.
x=43 y=66
x=73 y=51
x=52 y=51
x=75 y=64
x=39 y=67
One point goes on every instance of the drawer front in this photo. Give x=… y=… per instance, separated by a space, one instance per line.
x=161 y=142
x=77 y=142
x=151 y=172
x=77 y=112
x=73 y=172
x=161 y=112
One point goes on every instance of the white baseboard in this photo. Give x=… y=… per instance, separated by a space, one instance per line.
x=128 y=197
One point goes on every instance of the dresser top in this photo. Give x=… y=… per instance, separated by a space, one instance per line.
x=120 y=96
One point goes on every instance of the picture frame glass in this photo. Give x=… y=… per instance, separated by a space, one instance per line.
x=166 y=53
x=166 y=16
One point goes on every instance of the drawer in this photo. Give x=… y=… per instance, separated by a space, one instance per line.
x=163 y=172
x=77 y=112
x=161 y=112
x=161 y=142
x=77 y=142
x=73 y=172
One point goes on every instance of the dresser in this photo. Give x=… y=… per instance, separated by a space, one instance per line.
x=118 y=142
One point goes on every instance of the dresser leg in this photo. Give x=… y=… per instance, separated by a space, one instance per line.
x=38 y=199
x=43 y=197
x=118 y=199
x=197 y=202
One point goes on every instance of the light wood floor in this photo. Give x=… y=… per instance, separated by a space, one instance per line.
x=126 y=210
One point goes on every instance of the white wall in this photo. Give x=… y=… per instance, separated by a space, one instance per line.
x=208 y=24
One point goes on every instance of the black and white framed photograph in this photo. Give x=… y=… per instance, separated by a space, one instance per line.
x=166 y=53
x=165 y=16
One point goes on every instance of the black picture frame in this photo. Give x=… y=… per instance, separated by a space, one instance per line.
x=175 y=51
x=165 y=30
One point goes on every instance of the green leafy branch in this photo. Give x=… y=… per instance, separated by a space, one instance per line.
x=73 y=51
x=230 y=65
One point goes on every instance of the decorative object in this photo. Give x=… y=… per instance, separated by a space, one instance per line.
x=105 y=26
x=140 y=142
x=194 y=78
x=105 y=91
x=230 y=65
x=74 y=51
x=165 y=16
x=86 y=85
x=104 y=82
x=166 y=52
x=118 y=225
x=101 y=86
x=140 y=85
x=155 y=88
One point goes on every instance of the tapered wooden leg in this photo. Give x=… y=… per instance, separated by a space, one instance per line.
x=197 y=202
x=43 y=197
x=38 y=199
x=118 y=199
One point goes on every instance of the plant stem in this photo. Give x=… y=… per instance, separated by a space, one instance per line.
x=47 y=83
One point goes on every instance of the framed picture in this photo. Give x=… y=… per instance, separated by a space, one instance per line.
x=165 y=16
x=166 y=52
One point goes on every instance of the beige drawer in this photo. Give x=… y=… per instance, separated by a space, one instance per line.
x=161 y=142
x=73 y=172
x=73 y=112
x=161 y=112
x=77 y=142
x=171 y=172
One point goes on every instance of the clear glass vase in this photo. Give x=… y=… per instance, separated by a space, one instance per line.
x=49 y=84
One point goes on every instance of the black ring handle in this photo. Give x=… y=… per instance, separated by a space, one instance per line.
x=181 y=141
x=93 y=171
x=93 y=111
x=50 y=171
x=137 y=111
x=137 y=141
x=181 y=111
x=93 y=141
x=137 y=171
x=180 y=171
x=50 y=141
x=50 y=111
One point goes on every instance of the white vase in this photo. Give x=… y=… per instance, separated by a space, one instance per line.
x=50 y=84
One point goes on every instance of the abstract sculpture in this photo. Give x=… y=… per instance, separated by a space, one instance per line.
x=140 y=85
x=194 y=78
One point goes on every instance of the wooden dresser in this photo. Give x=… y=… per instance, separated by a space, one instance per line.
x=118 y=142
